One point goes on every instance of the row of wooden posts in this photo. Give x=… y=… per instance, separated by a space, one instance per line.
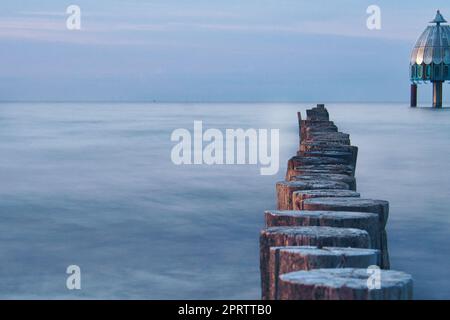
x=324 y=239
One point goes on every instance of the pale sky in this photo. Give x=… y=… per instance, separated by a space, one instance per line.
x=231 y=50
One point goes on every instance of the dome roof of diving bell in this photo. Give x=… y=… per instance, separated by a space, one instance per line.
x=433 y=46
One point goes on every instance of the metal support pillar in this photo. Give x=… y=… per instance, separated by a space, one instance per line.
x=437 y=94
x=413 y=95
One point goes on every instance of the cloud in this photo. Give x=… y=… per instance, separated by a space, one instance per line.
x=43 y=13
x=305 y=28
x=14 y=24
x=54 y=30
x=126 y=27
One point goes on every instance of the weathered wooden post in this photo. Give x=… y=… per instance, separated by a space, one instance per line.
x=284 y=260
x=380 y=207
x=318 y=169
x=338 y=219
x=299 y=196
x=351 y=181
x=344 y=284
x=309 y=236
x=284 y=190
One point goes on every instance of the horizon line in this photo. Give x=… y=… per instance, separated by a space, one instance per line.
x=205 y=101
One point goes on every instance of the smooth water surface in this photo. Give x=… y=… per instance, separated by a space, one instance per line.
x=94 y=185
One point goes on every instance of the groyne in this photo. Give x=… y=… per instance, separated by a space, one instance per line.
x=324 y=239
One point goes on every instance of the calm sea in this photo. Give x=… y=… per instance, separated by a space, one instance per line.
x=93 y=185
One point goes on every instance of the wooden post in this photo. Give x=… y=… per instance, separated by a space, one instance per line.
x=299 y=196
x=353 y=204
x=317 y=169
x=351 y=181
x=337 y=219
x=299 y=117
x=305 y=236
x=290 y=259
x=344 y=284
x=284 y=190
